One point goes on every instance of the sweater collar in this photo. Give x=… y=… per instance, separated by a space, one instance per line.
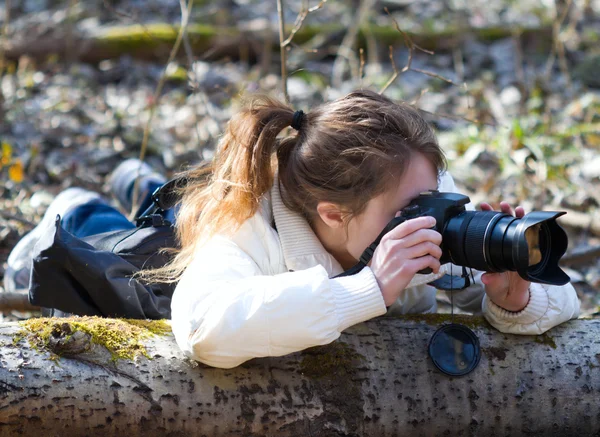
x=301 y=247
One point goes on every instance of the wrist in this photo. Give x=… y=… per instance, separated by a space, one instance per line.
x=518 y=306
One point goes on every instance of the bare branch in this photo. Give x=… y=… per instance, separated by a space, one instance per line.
x=406 y=36
x=300 y=20
x=16 y=218
x=396 y=72
x=558 y=48
x=583 y=255
x=4 y=34
x=15 y=302
x=284 y=43
x=361 y=53
x=414 y=102
x=282 y=53
x=345 y=51
x=411 y=46
x=455 y=117
x=185 y=16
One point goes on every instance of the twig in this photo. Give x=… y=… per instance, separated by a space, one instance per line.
x=345 y=49
x=459 y=65
x=190 y=56
x=70 y=52
x=455 y=117
x=184 y=22
x=557 y=45
x=396 y=72
x=361 y=53
x=411 y=46
x=16 y=218
x=285 y=42
x=4 y=34
x=300 y=19
x=282 y=49
x=423 y=91
x=15 y=302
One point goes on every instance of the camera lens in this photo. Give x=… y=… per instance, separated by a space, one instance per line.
x=496 y=242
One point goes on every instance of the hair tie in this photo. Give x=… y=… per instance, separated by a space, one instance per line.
x=297 y=119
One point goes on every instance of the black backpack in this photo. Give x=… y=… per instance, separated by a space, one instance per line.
x=92 y=276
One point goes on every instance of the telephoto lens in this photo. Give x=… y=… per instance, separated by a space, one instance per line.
x=496 y=242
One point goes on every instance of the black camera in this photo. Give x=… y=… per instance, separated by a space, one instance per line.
x=493 y=241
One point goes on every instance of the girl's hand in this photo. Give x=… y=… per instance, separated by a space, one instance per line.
x=402 y=252
x=507 y=289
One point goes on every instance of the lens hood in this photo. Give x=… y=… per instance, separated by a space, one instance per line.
x=553 y=242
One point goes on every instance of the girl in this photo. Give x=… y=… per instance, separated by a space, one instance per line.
x=265 y=230
x=264 y=236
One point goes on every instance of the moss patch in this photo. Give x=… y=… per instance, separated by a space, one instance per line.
x=545 y=339
x=123 y=338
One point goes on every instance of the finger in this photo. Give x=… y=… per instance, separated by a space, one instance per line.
x=486 y=207
x=506 y=208
x=410 y=226
x=420 y=236
x=422 y=249
x=519 y=212
x=415 y=265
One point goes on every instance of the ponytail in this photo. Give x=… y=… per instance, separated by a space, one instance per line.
x=222 y=195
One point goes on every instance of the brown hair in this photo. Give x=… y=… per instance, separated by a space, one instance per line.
x=345 y=152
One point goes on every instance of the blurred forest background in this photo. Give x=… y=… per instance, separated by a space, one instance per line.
x=512 y=88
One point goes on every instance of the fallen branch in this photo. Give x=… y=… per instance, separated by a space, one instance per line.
x=376 y=380
x=15 y=302
x=583 y=255
x=587 y=222
x=149 y=41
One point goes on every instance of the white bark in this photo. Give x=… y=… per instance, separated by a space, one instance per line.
x=523 y=385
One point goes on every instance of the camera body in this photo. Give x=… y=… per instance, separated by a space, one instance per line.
x=492 y=241
x=442 y=207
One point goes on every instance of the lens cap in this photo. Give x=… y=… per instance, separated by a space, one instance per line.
x=454 y=349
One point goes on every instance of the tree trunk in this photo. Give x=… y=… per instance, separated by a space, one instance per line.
x=376 y=380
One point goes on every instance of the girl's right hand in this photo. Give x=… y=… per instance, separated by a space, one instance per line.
x=408 y=248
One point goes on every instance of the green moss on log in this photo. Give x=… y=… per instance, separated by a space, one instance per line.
x=123 y=338
x=144 y=40
x=545 y=339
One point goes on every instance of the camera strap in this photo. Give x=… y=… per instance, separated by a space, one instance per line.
x=368 y=252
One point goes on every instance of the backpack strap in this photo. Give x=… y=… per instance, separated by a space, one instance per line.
x=164 y=197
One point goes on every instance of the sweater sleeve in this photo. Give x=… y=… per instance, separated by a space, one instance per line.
x=226 y=311
x=549 y=305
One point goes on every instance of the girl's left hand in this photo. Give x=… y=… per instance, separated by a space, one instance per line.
x=507 y=289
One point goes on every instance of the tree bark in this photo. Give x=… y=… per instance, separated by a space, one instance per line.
x=376 y=380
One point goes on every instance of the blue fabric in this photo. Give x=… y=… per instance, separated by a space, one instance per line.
x=97 y=217
x=94 y=218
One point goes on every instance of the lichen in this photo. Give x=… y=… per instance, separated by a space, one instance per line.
x=545 y=339
x=329 y=360
x=123 y=338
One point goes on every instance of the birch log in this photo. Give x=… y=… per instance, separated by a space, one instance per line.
x=376 y=380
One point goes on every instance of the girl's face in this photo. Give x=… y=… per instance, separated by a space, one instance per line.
x=363 y=229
